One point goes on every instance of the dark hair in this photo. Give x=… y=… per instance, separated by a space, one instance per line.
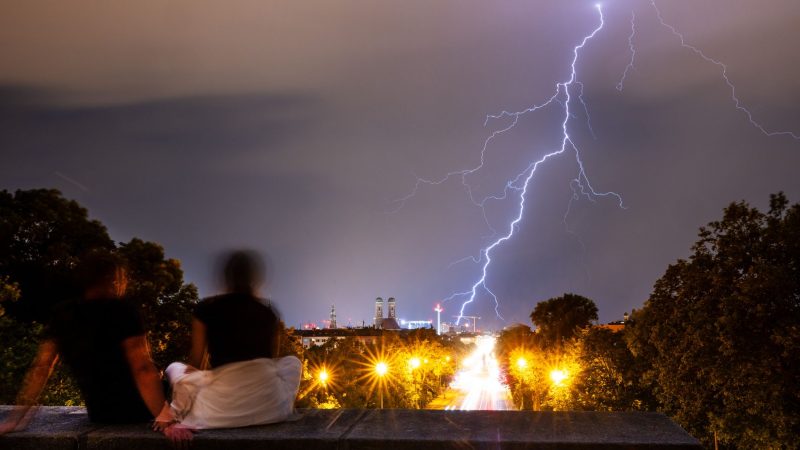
x=99 y=267
x=244 y=271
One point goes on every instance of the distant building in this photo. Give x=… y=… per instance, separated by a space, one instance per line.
x=318 y=337
x=452 y=328
x=416 y=324
x=617 y=325
x=378 y=312
x=312 y=336
x=368 y=336
x=388 y=323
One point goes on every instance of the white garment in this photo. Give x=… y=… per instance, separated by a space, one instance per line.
x=239 y=394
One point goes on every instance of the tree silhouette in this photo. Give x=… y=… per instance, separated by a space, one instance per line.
x=721 y=330
x=43 y=237
x=560 y=319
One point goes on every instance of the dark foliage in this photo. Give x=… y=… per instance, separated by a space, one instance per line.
x=43 y=238
x=721 y=330
x=560 y=319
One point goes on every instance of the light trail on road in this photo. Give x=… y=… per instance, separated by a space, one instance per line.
x=478 y=382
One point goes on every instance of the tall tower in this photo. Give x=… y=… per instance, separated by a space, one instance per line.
x=378 y=312
x=333 y=316
x=392 y=309
x=438 y=310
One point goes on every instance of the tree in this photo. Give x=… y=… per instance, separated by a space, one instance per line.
x=43 y=237
x=9 y=293
x=14 y=362
x=559 y=319
x=610 y=379
x=721 y=330
x=289 y=344
x=156 y=287
x=420 y=367
x=527 y=363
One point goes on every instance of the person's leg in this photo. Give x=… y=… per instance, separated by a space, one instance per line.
x=182 y=393
x=290 y=370
x=175 y=371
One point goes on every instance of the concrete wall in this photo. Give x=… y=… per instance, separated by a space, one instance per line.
x=68 y=428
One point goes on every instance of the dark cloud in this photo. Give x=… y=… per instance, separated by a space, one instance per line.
x=291 y=128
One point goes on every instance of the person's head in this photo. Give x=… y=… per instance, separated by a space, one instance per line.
x=103 y=274
x=243 y=272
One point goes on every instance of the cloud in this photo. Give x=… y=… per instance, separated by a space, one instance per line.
x=291 y=127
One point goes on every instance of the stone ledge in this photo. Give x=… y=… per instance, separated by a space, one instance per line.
x=68 y=428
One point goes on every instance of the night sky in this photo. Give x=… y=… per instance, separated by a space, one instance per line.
x=291 y=128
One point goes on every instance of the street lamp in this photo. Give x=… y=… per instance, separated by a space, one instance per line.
x=414 y=363
x=526 y=376
x=323 y=377
x=522 y=363
x=381 y=369
x=557 y=376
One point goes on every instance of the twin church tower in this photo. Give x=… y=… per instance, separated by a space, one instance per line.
x=389 y=323
x=381 y=323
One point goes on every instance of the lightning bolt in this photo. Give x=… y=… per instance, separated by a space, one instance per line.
x=581 y=185
x=563 y=89
x=629 y=67
x=724 y=69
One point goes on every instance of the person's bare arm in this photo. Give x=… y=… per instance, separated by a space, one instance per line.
x=148 y=381
x=199 y=344
x=144 y=372
x=35 y=380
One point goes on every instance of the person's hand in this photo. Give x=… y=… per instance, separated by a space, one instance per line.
x=165 y=418
x=161 y=426
x=180 y=435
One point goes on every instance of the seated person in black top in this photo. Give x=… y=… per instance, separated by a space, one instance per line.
x=237 y=335
x=102 y=341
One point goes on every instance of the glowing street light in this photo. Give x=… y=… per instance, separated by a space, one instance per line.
x=381 y=369
x=557 y=376
x=522 y=363
x=414 y=363
x=323 y=377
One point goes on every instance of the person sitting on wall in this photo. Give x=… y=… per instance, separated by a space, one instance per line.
x=102 y=341
x=236 y=334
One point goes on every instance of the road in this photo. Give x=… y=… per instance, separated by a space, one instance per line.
x=477 y=385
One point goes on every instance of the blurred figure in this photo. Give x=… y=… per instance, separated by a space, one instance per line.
x=102 y=340
x=235 y=336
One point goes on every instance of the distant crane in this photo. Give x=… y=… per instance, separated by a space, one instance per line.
x=474 y=321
